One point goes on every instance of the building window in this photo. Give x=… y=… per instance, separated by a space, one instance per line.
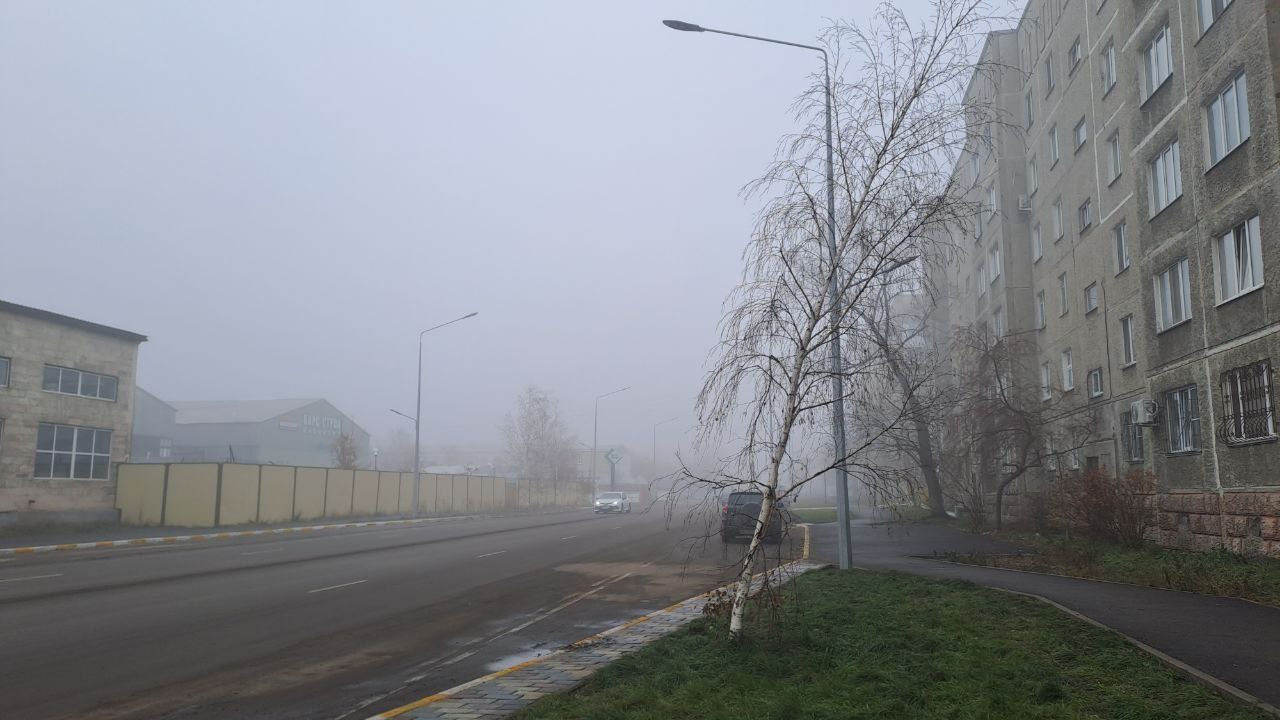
x=973 y=166
x=1095 y=382
x=1037 y=245
x=1208 y=12
x=1158 y=61
x=982 y=277
x=997 y=320
x=991 y=203
x=1173 y=295
x=1091 y=298
x=1068 y=375
x=1114 y=161
x=69 y=452
x=1109 y=67
x=1050 y=455
x=1227 y=119
x=1030 y=109
x=1046 y=381
x=1240 y=260
x=1073 y=55
x=1122 y=248
x=1131 y=438
x=1182 y=413
x=1041 y=316
x=1048 y=74
x=1033 y=179
x=1053 y=146
x=1073 y=458
x=1127 y=340
x=4 y=372
x=1057 y=220
x=1080 y=133
x=1166 y=178
x=1062 y=294
x=77 y=382
x=993 y=257
x=1247 y=410
x=1084 y=214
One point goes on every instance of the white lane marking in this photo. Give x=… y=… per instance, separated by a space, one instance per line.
x=6 y=559
x=490 y=554
x=259 y=552
x=335 y=587
x=581 y=596
x=458 y=658
x=616 y=527
x=31 y=577
x=569 y=538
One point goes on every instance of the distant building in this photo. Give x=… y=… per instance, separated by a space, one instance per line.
x=281 y=432
x=66 y=413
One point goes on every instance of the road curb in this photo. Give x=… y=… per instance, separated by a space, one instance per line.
x=512 y=700
x=1221 y=687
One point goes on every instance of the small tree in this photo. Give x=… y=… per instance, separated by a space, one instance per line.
x=345 y=451
x=1109 y=509
x=539 y=444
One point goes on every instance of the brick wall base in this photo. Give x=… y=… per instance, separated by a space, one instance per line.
x=1246 y=522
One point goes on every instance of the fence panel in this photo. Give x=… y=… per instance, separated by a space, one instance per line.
x=364 y=496
x=238 y=497
x=275 y=494
x=337 y=495
x=309 y=490
x=140 y=493
x=388 y=492
x=191 y=497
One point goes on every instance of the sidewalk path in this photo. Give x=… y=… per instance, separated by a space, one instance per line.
x=1233 y=640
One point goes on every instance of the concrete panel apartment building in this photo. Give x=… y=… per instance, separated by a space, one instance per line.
x=1130 y=219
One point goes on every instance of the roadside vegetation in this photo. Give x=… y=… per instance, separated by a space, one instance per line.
x=881 y=645
x=813 y=514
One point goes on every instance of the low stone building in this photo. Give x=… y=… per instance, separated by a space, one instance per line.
x=66 y=414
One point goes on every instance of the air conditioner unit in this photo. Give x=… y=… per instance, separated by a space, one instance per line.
x=1144 y=412
x=1024 y=203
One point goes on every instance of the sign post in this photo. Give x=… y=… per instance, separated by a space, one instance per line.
x=614 y=458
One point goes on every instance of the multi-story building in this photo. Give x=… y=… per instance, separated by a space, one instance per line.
x=66 y=411
x=1149 y=148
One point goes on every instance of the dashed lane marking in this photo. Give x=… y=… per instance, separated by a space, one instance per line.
x=260 y=552
x=30 y=577
x=499 y=552
x=335 y=587
x=569 y=538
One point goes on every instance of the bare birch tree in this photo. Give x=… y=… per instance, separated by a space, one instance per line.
x=538 y=443
x=901 y=118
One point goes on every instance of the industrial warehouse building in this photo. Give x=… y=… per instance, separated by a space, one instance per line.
x=298 y=432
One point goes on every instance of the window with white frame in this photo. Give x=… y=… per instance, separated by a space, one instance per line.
x=1062 y=294
x=1030 y=110
x=1095 y=382
x=1239 y=260
x=1121 y=239
x=1166 y=178
x=1115 y=163
x=1091 y=298
x=1084 y=214
x=1128 y=349
x=1033 y=176
x=1073 y=458
x=1041 y=315
x=1050 y=455
x=1068 y=374
x=1182 y=418
x=992 y=203
x=70 y=452
x=1131 y=438
x=1248 y=413
x=1053 y=146
x=1109 y=67
x=997 y=321
x=1227 y=119
x=1048 y=74
x=1157 y=61
x=1046 y=381
x=4 y=372
x=1173 y=295
x=1080 y=133
x=993 y=260
x=1057 y=220
x=1073 y=55
x=78 y=382
x=1037 y=245
x=1208 y=12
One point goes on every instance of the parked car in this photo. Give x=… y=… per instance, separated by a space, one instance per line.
x=739 y=514
x=613 y=502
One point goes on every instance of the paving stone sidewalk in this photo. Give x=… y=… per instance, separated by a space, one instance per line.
x=503 y=693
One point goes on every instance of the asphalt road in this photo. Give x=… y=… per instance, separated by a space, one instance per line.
x=341 y=623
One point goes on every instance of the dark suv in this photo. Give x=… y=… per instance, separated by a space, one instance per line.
x=738 y=518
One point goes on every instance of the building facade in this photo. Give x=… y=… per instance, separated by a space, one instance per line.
x=298 y=432
x=66 y=414
x=1146 y=132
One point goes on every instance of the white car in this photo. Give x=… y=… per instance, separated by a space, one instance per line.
x=613 y=502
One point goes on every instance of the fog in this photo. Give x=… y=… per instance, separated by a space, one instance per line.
x=281 y=195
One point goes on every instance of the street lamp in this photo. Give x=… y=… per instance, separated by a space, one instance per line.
x=837 y=365
x=655 y=442
x=417 y=416
x=595 y=432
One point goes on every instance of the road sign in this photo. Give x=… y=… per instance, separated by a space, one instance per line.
x=613 y=457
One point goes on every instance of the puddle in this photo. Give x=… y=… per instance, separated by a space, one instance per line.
x=508 y=661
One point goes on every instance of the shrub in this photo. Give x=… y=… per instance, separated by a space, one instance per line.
x=1108 y=509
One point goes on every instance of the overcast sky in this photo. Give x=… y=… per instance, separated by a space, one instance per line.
x=282 y=194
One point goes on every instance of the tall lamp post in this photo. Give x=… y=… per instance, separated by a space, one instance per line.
x=417 y=416
x=837 y=364
x=595 y=432
x=655 y=442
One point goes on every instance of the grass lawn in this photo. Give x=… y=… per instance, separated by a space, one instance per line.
x=814 y=514
x=1212 y=573
x=882 y=645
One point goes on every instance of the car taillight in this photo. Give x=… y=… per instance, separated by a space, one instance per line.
x=726 y=509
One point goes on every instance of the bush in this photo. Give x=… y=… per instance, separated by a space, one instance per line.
x=1108 y=509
